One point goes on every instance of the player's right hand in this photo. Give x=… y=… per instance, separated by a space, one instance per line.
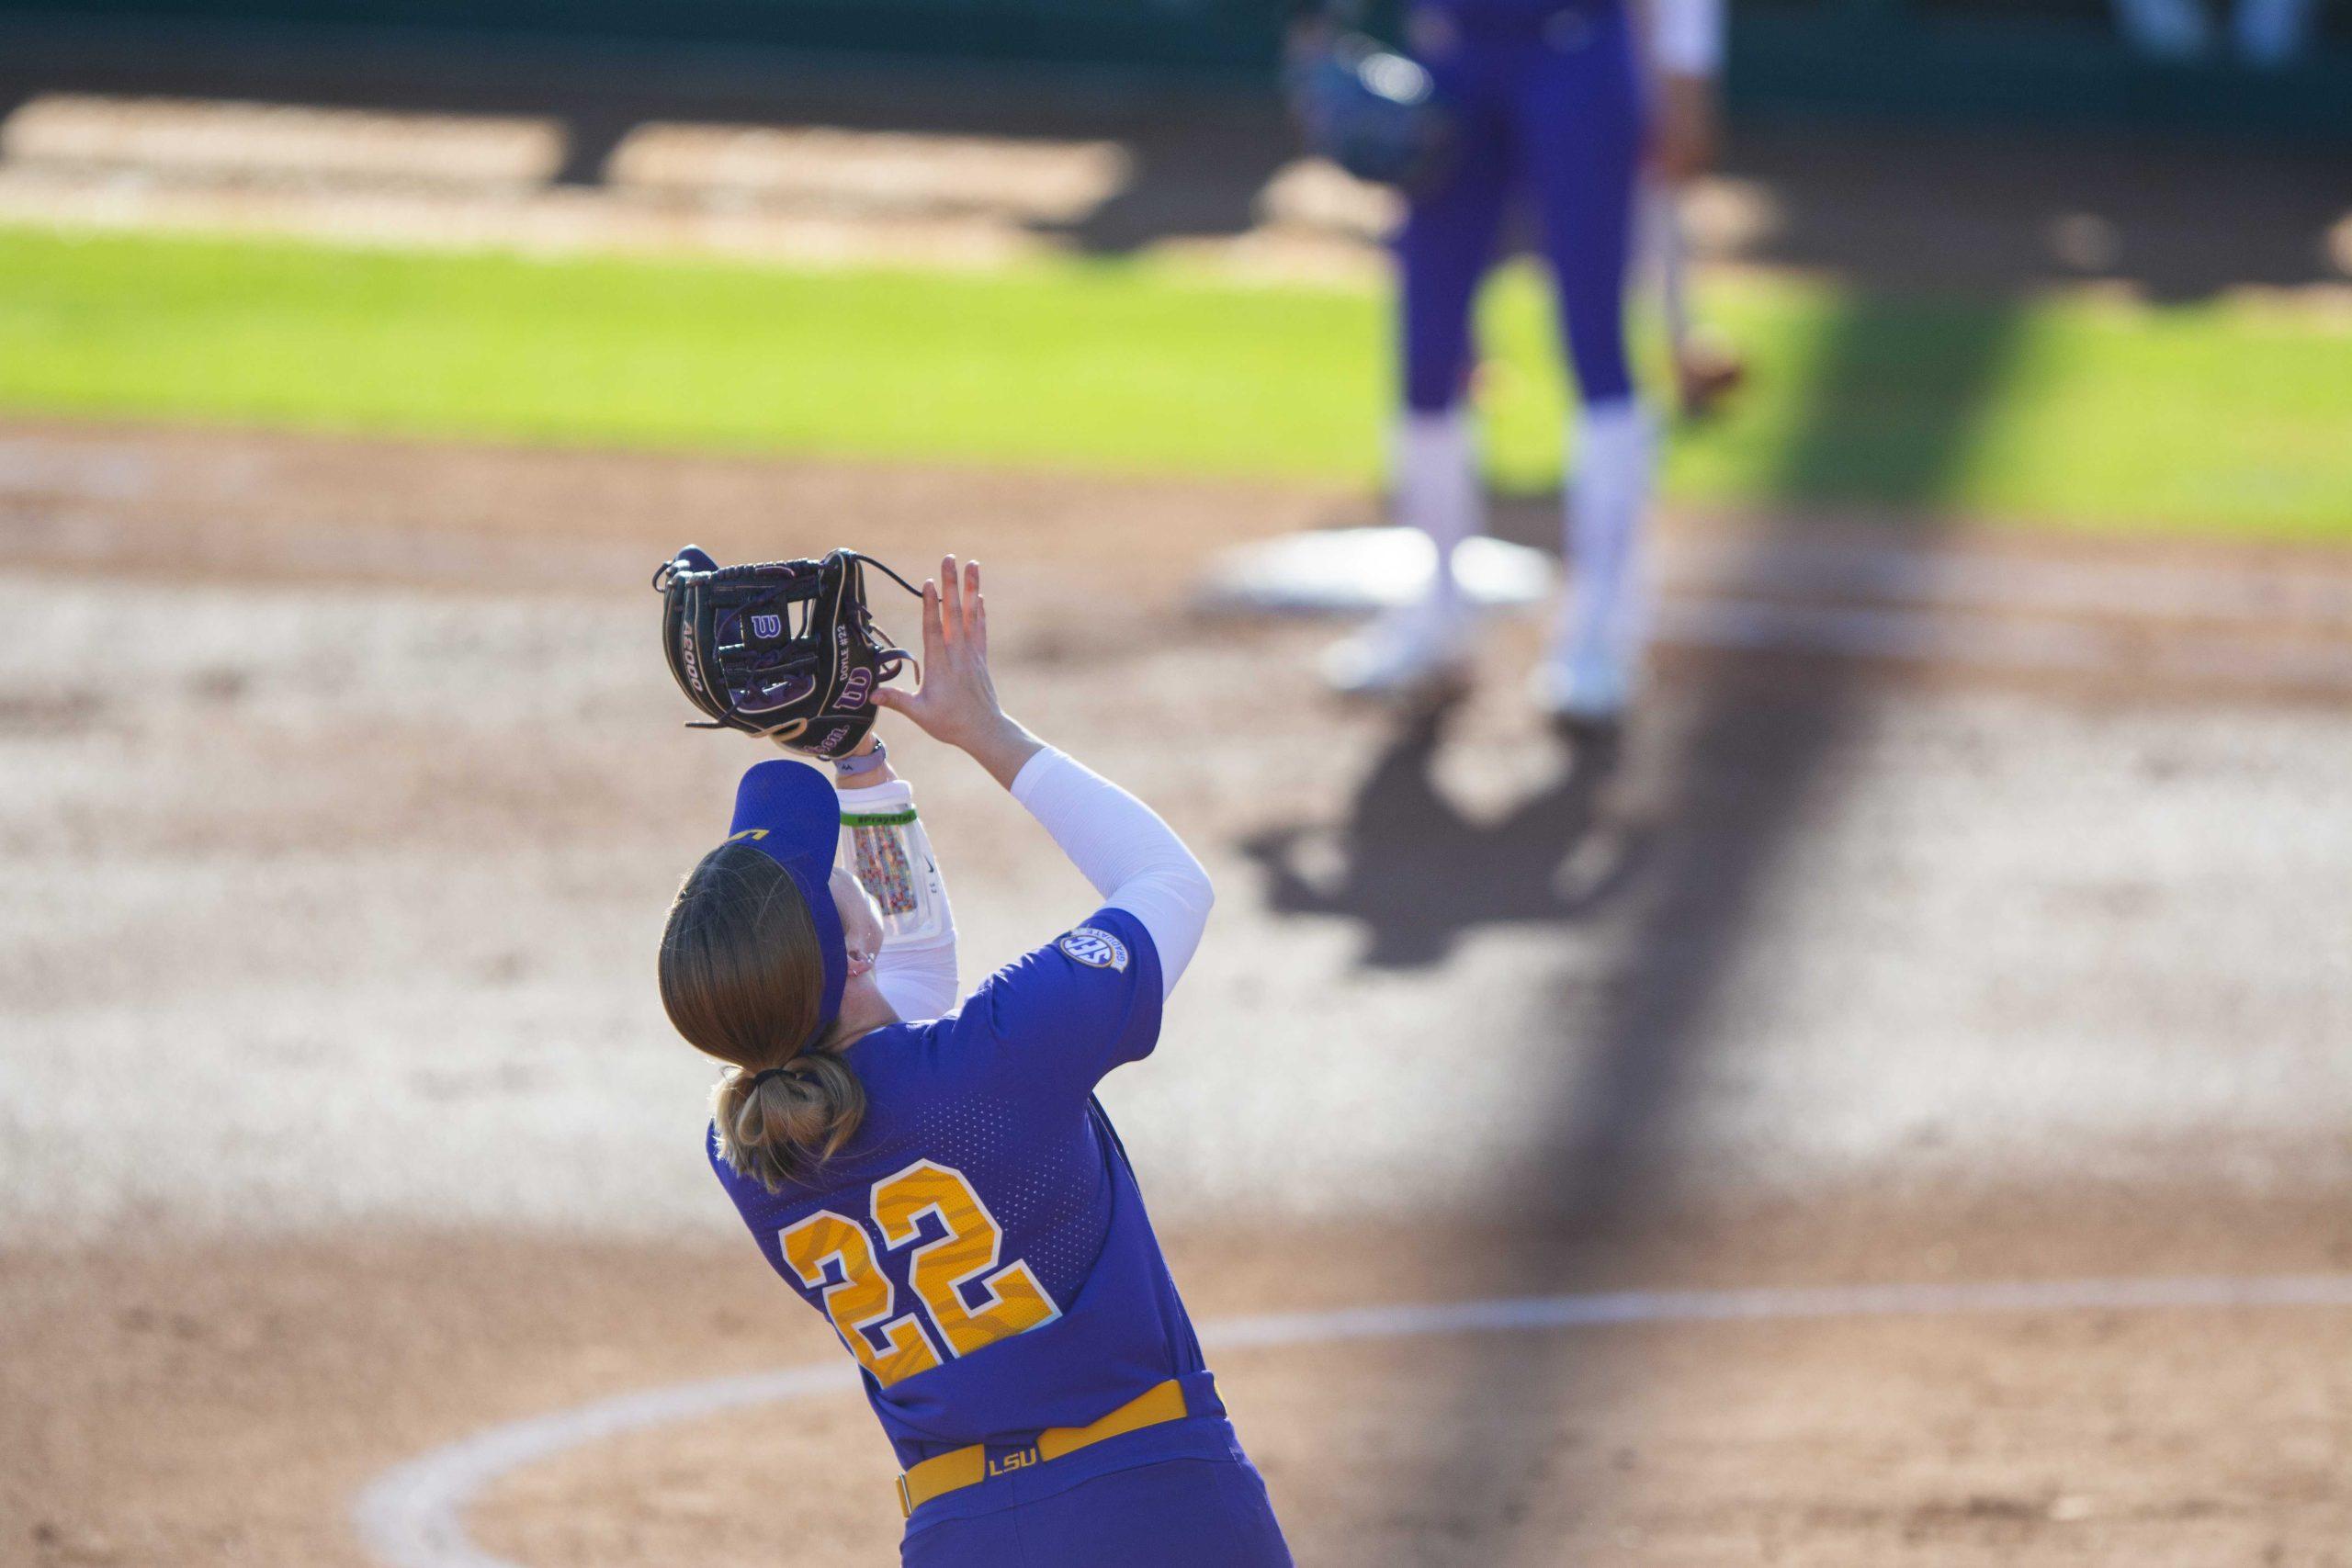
x=956 y=702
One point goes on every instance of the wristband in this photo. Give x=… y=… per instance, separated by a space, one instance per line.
x=847 y=768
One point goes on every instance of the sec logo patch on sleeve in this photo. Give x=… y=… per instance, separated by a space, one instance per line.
x=1095 y=948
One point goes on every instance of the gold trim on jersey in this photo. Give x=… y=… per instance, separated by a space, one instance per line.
x=959 y=1467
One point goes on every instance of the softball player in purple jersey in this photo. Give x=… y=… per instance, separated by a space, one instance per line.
x=1552 y=102
x=936 y=1178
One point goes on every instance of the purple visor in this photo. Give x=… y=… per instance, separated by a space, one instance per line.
x=788 y=812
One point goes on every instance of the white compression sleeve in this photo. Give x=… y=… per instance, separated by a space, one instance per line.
x=1686 y=37
x=1134 y=860
x=885 y=846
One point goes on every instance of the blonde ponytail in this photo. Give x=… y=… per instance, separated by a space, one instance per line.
x=742 y=979
x=777 y=1126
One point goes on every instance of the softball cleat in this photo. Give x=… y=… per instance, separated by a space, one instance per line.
x=1409 y=652
x=1584 y=689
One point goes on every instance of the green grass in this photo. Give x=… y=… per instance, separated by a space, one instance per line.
x=2214 y=417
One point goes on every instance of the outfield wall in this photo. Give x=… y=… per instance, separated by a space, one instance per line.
x=2051 y=62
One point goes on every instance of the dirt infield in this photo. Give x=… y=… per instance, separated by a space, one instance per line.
x=340 y=792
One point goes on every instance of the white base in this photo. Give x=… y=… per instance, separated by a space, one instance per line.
x=1353 y=571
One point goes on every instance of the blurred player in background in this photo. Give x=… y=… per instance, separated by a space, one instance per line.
x=1561 y=104
x=938 y=1180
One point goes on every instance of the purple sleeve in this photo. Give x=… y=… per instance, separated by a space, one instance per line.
x=1061 y=1017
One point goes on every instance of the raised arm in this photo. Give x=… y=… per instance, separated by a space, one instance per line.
x=1134 y=861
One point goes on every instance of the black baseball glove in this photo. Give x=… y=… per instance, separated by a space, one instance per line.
x=1375 y=113
x=784 y=649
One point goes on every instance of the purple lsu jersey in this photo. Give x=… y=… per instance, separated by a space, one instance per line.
x=980 y=1245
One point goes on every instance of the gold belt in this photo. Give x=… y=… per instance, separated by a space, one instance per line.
x=959 y=1467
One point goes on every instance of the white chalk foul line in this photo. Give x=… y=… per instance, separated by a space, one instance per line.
x=412 y=1516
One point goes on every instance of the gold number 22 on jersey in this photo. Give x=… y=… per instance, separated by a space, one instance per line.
x=972 y=1301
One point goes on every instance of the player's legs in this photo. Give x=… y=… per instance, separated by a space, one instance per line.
x=1175 y=1514
x=1442 y=251
x=1593 y=662
x=1447 y=241
x=1580 y=117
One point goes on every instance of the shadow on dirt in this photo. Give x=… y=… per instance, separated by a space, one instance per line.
x=1741 y=758
x=1417 y=874
x=1751 y=763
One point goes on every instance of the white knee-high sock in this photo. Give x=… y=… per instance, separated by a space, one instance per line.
x=1609 y=489
x=1437 y=492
